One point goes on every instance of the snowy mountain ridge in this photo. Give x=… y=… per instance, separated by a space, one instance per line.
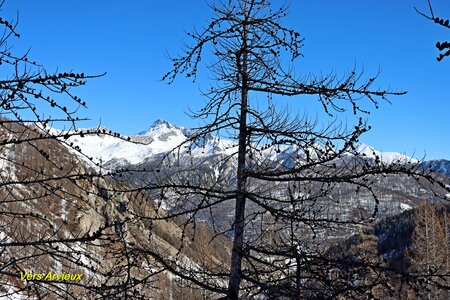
x=386 y=157
x=162 y=136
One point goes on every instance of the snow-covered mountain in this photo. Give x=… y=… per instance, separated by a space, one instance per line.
x=160 y=137
x=163 y=136
x=78 y=205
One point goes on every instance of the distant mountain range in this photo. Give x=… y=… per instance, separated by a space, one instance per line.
x=163 y=136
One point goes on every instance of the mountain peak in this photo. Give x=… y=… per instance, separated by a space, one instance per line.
x=366 y=150
x=160 y=122
x=157 y=126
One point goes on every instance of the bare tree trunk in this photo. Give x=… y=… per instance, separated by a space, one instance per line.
x=446 y=251
x=298 y=274
x=239 y=217
x=427 y=248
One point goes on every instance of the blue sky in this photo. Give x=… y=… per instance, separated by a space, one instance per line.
x=129 y=40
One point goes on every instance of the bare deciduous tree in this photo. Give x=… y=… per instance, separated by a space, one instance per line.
x=69 y=227
x=53 y=216
x=286 y=166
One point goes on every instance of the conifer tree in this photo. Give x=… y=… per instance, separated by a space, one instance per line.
x=430 y=246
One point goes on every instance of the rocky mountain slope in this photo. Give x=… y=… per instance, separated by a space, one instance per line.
x=57 y=216
x=441 y=166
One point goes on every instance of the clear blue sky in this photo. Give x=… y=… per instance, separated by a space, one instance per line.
x=129 y=39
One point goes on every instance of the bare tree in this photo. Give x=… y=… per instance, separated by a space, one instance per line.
x=69 y=227
x=142 y=237
x=286 y=166
x=55 y=218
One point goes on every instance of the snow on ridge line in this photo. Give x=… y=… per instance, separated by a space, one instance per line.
x=386 y=157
